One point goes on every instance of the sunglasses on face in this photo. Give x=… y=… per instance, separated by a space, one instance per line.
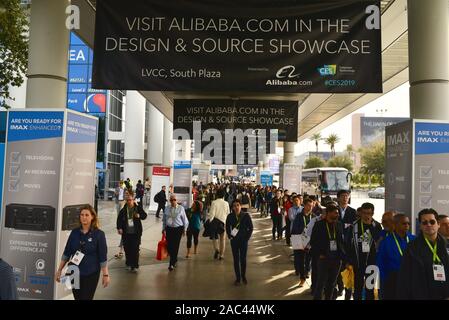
x=431 y=222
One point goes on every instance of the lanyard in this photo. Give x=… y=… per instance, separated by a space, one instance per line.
x=363 y=229
x=173 y=213
x=238 y=222
x=434 y=251
x=397 y=244
x=305 y=221
x=130 y=212
x=328 y=232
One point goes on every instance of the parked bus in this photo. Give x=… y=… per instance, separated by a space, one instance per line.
x=325 y=181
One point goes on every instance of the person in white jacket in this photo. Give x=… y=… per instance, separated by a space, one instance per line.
x=217 y=215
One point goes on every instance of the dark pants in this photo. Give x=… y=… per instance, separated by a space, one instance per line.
x=239 y=250
x=287 y=230
x=327 y=277
x=359 y=284
x=131 y=243
x=340 y=286
x=277 y=225
x=88 y=285
x=192 y=233
x=302 y=263
x=173 y=240
x=159 y=208
x=388 y=286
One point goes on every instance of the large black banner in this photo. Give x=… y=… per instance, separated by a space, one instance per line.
x=235 y=131
x=238 y=114
x=246 y=45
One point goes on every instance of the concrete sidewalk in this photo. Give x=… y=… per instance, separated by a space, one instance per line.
x=270 y=271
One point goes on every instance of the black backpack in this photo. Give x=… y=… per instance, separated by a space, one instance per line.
x=156 y=198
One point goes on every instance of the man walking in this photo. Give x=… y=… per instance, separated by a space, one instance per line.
x=161 y=199
x=328 y=247
x=425 y=266
x=174 y=224
x=390 y=254
x=217 y=215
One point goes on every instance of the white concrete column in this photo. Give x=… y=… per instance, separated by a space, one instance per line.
x=134 y=136
x=167 y=154
x=289 y=152
x=155 y=127
x=428 y=46
x=48 y=50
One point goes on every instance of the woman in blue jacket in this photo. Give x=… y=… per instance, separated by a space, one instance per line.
x=193 y=231
x=87 y=249
x=239 y=228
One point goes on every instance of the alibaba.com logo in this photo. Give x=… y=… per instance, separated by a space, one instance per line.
x=287 y=72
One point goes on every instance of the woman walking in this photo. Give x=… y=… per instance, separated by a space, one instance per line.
x=87 y=249
x=239 y=228
x=129 y=225
x=193 y=231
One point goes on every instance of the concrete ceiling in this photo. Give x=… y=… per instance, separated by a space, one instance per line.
x=316 y=111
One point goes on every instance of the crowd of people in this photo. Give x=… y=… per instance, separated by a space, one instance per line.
x=341 y=249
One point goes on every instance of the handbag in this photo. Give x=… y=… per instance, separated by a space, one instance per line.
x=162 y=252
x=206 y=232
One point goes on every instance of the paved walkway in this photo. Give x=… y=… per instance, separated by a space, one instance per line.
x=270 y=271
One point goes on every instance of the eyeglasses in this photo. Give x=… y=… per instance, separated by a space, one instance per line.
x=431 y=222
x=172 y=199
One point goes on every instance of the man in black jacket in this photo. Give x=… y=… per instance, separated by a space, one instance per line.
x=328 y=248
x=347 y=217
x=129 y=225
x=239 y=228
x=347 y=214
x=425 y=265
x=361 y=248
x=161 y=199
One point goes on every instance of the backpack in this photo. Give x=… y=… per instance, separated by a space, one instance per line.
x=156 y=198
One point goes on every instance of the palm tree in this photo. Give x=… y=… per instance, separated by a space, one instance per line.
x=316 y=137
x=332 y=140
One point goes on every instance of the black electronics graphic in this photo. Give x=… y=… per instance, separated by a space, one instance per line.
x=71 y=216
x=30 y=217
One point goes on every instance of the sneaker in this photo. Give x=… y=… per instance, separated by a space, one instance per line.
x=237 y=282
x=128 y=268
x=133 y=270
x=220 y=258
x=216 y=254
x=244 y=280
x=170 y=268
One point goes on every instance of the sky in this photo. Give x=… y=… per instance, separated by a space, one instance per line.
x=393 y=104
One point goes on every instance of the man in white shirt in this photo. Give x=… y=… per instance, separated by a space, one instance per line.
x=217 y=215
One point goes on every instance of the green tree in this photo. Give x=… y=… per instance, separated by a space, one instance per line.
x=373 y=160
x=341 y=161
x=314 y=162
x=13 y=47
x=316 y=137
x=332 y=140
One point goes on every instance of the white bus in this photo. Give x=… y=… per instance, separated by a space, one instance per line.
x=325 y=181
